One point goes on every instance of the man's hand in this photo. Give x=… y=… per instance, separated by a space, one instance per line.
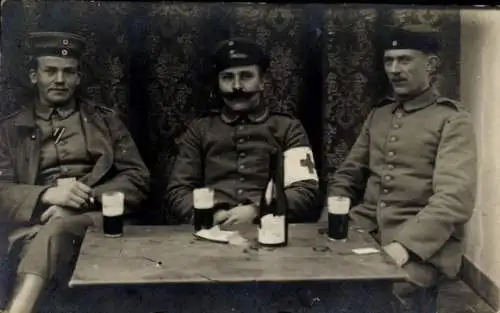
x=55 y=211
x=71 y=194
x=241 y=214
x=220 y=216
x=398 y=252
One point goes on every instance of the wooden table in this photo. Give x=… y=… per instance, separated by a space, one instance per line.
x=190 y=275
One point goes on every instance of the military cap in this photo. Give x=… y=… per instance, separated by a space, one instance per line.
x=56 y=44
x=238 y=52
x=416 y=37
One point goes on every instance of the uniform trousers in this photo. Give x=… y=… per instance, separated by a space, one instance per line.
x=50 y=249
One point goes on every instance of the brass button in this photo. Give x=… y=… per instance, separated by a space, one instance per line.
x=241 y=127
x=383 y=204
x=64 y=169
x=390 y=166
x=386 y=191
x=240 y=191
x=391 y=153
x=399 y=114
x=396 y=125
x=387 y=177
x=1 y=172
x=242 y=178
x=242 y=166
x=241 y=140
x=242 y=154
x=394 y=138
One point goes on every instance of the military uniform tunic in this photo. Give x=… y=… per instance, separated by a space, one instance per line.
x=412 y=172
x=231 y=154
x=66 y=156
x=30 y=162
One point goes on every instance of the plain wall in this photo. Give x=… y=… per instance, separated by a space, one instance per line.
x=480 y=91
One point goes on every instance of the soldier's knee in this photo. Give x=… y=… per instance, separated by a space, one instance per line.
x=66 y=225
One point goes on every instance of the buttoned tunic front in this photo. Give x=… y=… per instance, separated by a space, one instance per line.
x=63 y=149
x=412 y=174
x=231 y=155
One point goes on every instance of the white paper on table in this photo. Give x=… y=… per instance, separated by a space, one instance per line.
x=361 y=251
x=215 y=234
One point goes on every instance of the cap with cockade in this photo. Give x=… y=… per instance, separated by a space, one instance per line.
x=238 y=52
x=416 y=37
x=56 y=44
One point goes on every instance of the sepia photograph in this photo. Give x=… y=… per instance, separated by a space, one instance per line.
x=234 y=157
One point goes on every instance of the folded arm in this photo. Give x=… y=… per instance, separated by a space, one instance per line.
x=186 y=175
x=301 y=178
x=350 y=178
x=130 y=174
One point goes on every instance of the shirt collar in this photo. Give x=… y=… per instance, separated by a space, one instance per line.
x=45 y=112
x=425 y=99
x=258 y=115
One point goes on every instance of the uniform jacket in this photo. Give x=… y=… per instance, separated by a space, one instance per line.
x=231 y=155
x=118 y=164
x=412 y=172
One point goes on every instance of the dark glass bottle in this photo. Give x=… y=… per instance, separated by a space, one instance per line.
x=273 y=223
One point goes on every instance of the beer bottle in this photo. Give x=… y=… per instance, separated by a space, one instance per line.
x=273 y=223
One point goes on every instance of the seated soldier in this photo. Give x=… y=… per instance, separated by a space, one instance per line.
x=227 y=150
x=412 y=171
x=55 y=154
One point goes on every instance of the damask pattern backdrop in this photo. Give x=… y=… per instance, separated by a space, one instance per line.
x=354 y=78
x=149 y=61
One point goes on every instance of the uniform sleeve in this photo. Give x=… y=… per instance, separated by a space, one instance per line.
x=454 y=184
x=18 y=202
x=131 y=175
x=301 y=178
x=187 y=174
x=350 y=178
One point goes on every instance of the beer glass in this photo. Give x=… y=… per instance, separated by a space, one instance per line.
x=338 y=217
x=112 y=213
x=203 y=205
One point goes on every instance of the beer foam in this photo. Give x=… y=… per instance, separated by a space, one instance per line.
x=338 y=205
x=203 y=198
x=113 y=203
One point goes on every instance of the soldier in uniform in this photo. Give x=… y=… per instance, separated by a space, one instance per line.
x=411 y=174
x=56 y=154
x=227 y=149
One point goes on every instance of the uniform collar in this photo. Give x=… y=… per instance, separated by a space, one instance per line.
x=27 y=116
x=45 y=112
x=425 y=99
x=257 y=115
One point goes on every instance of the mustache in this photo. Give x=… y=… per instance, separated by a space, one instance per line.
x=238 y=94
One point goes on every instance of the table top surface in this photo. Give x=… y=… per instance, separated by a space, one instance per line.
x=171 y=254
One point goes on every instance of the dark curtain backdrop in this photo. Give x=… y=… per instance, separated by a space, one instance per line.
x=149 y=62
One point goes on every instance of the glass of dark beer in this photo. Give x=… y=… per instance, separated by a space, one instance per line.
x=204 y=205
x=112 y=213
x=338 y=218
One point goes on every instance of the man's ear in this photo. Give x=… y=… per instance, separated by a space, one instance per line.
x=433 y=63
x=80 y=77
x=264 y=80
x=33 y=76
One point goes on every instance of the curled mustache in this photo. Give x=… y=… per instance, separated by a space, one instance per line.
x=239 y=94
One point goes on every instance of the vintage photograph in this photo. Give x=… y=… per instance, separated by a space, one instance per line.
x=248 y=157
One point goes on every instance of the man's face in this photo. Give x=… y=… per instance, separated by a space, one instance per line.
x=240 y=86
x=408 y=71
x=56 y=79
